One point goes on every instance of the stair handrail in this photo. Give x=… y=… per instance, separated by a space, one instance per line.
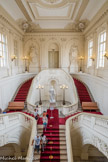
x=94 y=122
x=30 y=152
x=70 y=108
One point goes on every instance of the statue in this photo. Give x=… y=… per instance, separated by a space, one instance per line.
x=34 y=55
x=73 y=59
x=52 y=95
x=34 y=59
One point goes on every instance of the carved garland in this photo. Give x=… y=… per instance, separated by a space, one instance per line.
x=10 y=24
x=95 y=141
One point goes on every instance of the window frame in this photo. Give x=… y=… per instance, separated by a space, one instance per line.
x=3 y=50
x=16 y=51
x=101 y=44
x=90 y=54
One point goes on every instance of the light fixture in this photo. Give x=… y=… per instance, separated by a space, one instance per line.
x=106 y=55
x=25 y=58
x=63 y=86
x=81 y=58
x=40 y=87
x=13 y=57
x=92 y=58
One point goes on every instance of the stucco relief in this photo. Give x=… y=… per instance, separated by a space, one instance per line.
x=27 y=26
x=3 y=140
x=33 y=53
x=52 y=1
x=73 y=57
x=34 y=57
x=100 y=144
x=95 y=141
x=32 y=50
x=43 y=41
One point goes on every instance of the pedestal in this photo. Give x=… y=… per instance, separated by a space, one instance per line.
x=52 y=105
x=73 y=69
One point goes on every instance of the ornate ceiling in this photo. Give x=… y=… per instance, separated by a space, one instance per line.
x=52 y=14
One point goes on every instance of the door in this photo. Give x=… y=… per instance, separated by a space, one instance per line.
x=53 y=57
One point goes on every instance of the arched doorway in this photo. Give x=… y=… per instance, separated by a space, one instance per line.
x=53 y=56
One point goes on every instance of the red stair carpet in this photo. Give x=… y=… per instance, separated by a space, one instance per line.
x=52 y=149
x=82 y=91
x=23 y=91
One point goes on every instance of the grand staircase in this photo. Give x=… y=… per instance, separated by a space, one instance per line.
x=55 y=150
x=23 y=91
x=84 y=95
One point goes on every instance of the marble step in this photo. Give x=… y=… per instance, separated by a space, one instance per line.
x=52 y=134
x=62 y=157
x=61 y=127
x=60 y=131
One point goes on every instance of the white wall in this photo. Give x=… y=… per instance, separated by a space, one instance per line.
x=98 y=88
x=8 y=87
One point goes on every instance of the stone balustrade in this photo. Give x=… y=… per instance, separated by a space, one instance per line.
x=18 y=128
x=66 y=109
x=93 y=129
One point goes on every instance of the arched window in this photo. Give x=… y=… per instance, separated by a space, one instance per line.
x=90 y=52
x=3 y=50
x=101 y=49
x=16 y=51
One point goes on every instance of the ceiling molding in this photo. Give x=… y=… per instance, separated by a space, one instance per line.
x=103 y=12
x=82 y=9
x=36 y=10
x=52 y=14
x=6 y=18
x=22 y=8
x=44 y=4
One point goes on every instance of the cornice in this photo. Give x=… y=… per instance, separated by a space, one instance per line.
x=54 y=33
x=103 y=12
x=7 y=19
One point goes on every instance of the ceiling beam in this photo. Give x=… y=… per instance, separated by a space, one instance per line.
x=23 y=9
x=82 y=9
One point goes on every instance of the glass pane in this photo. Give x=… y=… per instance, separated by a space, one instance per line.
x=91 y=43
x=91 y=52
x=101 y=47
x=1 y=62
x=101 y=53
x=101 y=39
x=104 y=47
x=0 y=46
x=4 y=54
x=3 y=38
x=0 y=36
x=4 y=47
x=0 y=53
x=105 y=36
